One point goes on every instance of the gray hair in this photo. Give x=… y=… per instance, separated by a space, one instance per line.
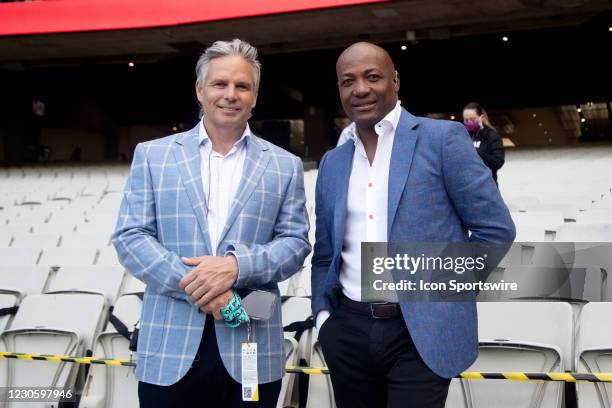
x=225 y=48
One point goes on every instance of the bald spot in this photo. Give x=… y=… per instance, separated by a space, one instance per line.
x=364 y=51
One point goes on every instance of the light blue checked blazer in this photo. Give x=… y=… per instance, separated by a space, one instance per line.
x=162 y=217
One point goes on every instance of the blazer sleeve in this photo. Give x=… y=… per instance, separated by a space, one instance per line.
x=284 y=255
x=135 y=236
x=323 y=249
x=472 y=190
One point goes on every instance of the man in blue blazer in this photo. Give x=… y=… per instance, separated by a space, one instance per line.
x=398 y=178
x=206 y=212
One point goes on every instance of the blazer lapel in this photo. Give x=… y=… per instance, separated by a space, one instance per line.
x=401 y=158
x=187 y=156
x=255 y=163
x=344 y=165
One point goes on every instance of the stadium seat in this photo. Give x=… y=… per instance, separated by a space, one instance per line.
x=131 y=285
x=5 y=238
x=19 y=256
x=584 y=233
x=103 y=280
x=8 y=300
x=594 y=354
x=26 y=280
x=320 y=390
x=577 y=283
x=519 y=337
x=287 y=386
x=35 y=240
x=549 y=220
x=107 y=256
x=114 y=387
x=58 y=257
x=595 y=216
x=76 y=240
x=52 y=324
x=298 y=309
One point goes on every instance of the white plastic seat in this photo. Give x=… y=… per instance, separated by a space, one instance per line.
x=283 y=288
x=56 y=226
x=509 y=341
x=520 y=202
x=63 y=324
x=95 y=228
x=107 y=256
x=7 y=300
x=533 y=233
x=114 y=387
x=58 y=257
x=298 y=309
x=26 y=280
x=19 y=256
x=569 y=211
x=5 y=239
x=287 y=385
x=584 y=233
x=76 y=240
x=594 y=354
x=35 y=240
x=131 y=285
x=104 y=280
x=595 y=217
x=603 y=205
x=557 y=282
x=301 y=281
x=547 y=219
x=320 y=391
x=16 y=229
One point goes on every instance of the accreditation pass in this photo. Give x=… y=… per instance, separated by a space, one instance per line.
x=250 y=390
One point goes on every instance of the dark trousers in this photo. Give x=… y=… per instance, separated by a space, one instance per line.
x=374 y=363
x=207 y=384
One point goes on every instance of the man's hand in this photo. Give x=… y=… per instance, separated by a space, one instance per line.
x=215 y=305
x=212 y=276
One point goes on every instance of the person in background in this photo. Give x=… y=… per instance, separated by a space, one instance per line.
x=486 y=140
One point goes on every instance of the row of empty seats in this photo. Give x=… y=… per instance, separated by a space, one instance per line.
x=54 y=237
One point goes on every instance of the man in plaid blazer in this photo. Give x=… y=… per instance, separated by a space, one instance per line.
x=204 y=212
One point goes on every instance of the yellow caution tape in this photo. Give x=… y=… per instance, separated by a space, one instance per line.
x=512 y=376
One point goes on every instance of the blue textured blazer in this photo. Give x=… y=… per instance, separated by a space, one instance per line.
x=438 y=190
x=162 y=217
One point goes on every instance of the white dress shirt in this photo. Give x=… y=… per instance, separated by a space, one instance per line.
x=221 y=176
x=366 y=217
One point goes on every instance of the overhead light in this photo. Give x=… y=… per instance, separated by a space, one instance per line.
x=540 y=124
x=534 y=115
x=579 y=110
x=452 y=117
x=505 y=39
x=174 y=128
x=582 y=120
x=404 y=48
x=131 y=64
x=609 y=28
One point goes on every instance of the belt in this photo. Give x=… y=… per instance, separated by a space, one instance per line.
x=374 y=310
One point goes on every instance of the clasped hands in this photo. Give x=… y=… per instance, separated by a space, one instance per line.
x=209 y=284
